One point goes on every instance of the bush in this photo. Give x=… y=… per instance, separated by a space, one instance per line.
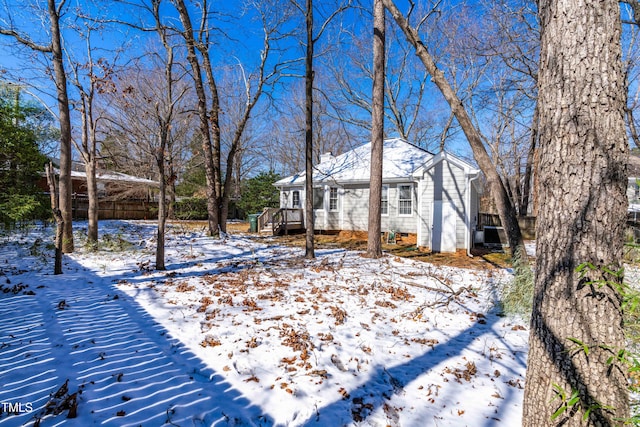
x=191 y=208
x=259 y=193
x=17 y=208
x=516 y=296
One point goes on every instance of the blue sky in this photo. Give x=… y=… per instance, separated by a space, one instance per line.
x=240 y=44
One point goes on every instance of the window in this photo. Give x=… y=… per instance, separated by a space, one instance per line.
x=318 y=198
x=296 y=199
x=384 y=202
x=333 y=199
x=404 y=200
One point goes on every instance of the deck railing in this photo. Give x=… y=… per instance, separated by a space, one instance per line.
x=284 y=217
x=265 y=219
x=280 y=219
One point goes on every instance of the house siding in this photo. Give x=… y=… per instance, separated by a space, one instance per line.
x=355 y=207
x=444 y=182
x=353 y=211
x=633 y=190
x=395 y=221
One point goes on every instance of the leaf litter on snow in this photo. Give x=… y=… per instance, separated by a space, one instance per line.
x=338 y=340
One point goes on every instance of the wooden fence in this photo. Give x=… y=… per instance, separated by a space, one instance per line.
x=527 y=224
x=116 y=209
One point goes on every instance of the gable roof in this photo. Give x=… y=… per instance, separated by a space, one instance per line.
x=400 y=160
x=450 y=158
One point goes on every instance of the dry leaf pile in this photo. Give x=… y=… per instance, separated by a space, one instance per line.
x=318 y=330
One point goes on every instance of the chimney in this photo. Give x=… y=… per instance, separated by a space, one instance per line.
x=326 y=157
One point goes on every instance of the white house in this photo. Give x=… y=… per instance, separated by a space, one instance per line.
x=433 y=196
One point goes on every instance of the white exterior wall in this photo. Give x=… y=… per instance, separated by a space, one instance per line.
x=395 y=221
x=286 y=196
x=448 y=183
x=426 y=205
x=353 y=210
x=355 y=207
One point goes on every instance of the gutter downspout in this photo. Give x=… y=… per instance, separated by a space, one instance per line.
x=468 y=216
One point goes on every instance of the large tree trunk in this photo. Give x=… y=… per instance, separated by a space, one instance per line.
x=374 y=247
x=308 y=152
x=210 y=171
x=214 y=119
x=581 y=219
x=504 y=205
x=65 y=185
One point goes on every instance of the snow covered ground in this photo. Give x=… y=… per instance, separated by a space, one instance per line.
x=243 y=331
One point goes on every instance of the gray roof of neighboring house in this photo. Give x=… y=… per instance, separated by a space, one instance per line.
x=77 y=171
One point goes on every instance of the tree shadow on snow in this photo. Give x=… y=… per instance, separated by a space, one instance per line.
x=385 y=382
x=124 y=368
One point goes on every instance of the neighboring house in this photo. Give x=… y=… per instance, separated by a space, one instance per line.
x=432 y=196
x=120 y=196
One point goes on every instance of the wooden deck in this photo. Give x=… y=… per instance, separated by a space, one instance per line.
x=279 y=221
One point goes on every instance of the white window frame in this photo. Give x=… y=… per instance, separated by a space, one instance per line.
x=384 y=201
x=334 y=199
x=295 y=194
x=320 y=191
x=404 y=203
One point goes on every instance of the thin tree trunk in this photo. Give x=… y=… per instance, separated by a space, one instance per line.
x=528 y=172
x=374 y=247
x=171 y=186
x=53 y=194
x=309 y=220
x=65 y=184
x=632 y=127
x=92 y=194
x=504 y=205
x=162 y=206
x=88 y=151
x=576 y=324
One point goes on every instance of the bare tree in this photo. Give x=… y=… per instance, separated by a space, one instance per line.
x=164 y=115
x=208 y=115
x=504 y=205
x=90 y=78
x=308 y=132
x=146 y=112
x=509 y=38
x=55 y=209
x=374 y=247
x=55 y=50
x=582 y=177
x=407 y=112
x=271 y=20
x=311 y=38
x=284 y=149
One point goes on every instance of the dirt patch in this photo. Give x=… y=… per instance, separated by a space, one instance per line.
x=404 y=246
x=232 y=226
x=482 y=258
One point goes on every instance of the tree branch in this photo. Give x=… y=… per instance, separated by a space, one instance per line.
x=26 y=41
